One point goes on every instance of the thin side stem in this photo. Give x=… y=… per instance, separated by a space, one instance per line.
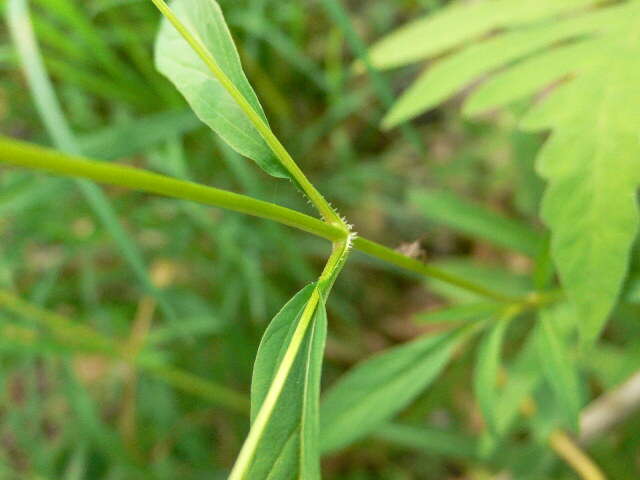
x=391 y=256
x=74 y=334
x=27 y=155
x=261 y=126
x=566 y=448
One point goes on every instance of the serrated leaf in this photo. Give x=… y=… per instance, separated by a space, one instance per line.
x=531 y=75
x=558 y=366
x=453 y=211
x=288 y=446
x=205 y=94
x=457 y=71
x=378 y=388
x=590 y=160
x=453 y=73
x=591 y=164
x=435 y=34
x=486 y=372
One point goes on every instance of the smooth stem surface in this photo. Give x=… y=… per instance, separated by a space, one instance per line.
x=27 y=155
x=261 y=126
x=80 y=335
x=247 y=453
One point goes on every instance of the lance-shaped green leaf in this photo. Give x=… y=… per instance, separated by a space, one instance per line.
x=456 y=71
x=378 y=388
x=283 y=442
x=288 y=445
x=557 y=365
x=592 y=165
x=208 y=98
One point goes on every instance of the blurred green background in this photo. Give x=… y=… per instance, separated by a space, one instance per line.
x=70 y=411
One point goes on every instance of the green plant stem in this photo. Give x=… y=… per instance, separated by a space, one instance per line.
x=392 y=256
x=261 y=126
x=78 y=335
x=26 y=155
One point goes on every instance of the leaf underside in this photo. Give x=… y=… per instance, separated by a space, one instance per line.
x=289 y=447
x=207 y=97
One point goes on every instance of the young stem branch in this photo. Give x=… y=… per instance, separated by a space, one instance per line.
x=27 y=155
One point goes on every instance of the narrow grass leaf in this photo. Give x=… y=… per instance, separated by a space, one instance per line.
x=497 y=278
x=208 y=98
x=559 y=368
x=64 y=139
x=432 y=441
x=377 y=389
x=475 y=220
x=487 y=371
x=458 y=313
x=137 y=135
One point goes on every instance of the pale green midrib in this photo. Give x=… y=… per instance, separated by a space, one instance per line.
x=27 y=155
x=261 y=126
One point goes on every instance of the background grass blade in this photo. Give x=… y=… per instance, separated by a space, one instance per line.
x=559 y=368
x=377 y=389
x=449 y=209
x=486 y=375
x=62 y=136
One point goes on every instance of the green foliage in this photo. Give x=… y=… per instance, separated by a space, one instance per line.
x=590 y=162
x=208 y=98
x=488 y=369
x=288 y=446
x=457 y=24
x=590 y=202
x=459 y=313
x=448 y=209
x=377 y=389
x=100 y=386
x=557 y=364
